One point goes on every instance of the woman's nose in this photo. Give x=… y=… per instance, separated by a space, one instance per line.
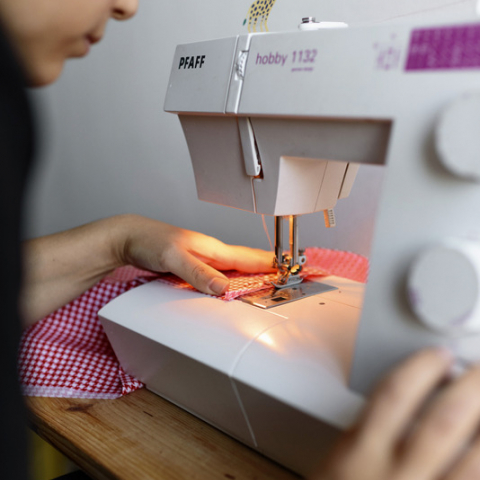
x=124 y=9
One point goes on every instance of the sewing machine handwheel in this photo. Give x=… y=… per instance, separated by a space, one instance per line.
x=444 y=287
x=457 y=137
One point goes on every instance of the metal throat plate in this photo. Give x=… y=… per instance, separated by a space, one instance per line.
x=274 y=297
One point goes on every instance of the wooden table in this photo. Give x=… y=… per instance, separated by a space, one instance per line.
x=142 y=436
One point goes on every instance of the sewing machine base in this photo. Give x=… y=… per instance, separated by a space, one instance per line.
x=276 y=379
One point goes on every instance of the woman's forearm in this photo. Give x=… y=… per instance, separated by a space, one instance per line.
x=59 y=267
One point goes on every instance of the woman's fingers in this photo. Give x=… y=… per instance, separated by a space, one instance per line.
x=445 y=428
x=467 y=467
x=412 y=430
x=194 y=257
x=371 y=450
x=197 y=273
x=400 y=395
x=229 y=257
x=242 y=259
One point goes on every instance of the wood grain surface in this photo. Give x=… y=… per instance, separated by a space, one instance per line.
x=142 y=436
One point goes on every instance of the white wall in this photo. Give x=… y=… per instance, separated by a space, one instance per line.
x=109 y=148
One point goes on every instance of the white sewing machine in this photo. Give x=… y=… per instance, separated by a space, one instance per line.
x=277 y=124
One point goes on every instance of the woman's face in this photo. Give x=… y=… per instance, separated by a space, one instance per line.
x=47 y=32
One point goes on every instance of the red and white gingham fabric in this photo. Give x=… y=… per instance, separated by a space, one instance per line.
x=67 y=354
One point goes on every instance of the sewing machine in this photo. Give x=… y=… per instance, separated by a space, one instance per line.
x=278 y=124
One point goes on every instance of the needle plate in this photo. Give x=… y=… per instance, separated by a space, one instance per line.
x=279 y=296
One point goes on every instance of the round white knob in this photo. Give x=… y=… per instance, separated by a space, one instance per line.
x=444 y=287
x=457 y=136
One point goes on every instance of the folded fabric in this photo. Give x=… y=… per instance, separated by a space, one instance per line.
x=67 y=354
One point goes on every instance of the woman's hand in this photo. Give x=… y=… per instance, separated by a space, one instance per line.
x=195 y=257
x=59 y=267
x=412 y=430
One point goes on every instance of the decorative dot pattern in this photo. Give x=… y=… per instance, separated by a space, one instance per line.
x=259 y=11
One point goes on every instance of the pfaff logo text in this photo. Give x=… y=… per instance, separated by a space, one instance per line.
x=191 y=62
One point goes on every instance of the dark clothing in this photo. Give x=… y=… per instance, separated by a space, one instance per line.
x=16 y=151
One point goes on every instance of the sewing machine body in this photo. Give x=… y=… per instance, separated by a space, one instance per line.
x=404 y=96
x=379 y=95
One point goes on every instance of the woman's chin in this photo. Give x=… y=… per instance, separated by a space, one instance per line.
x=44 y=75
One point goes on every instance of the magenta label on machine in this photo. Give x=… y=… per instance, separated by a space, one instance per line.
x=444 y=48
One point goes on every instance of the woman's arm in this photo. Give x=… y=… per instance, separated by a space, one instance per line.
x=59 y=267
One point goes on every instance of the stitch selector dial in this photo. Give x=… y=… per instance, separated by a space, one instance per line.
x=444 y=286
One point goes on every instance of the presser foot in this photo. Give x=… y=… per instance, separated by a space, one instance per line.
x=289 y=281
x=288 y=274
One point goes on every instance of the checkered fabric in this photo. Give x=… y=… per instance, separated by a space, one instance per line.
x=67 y=354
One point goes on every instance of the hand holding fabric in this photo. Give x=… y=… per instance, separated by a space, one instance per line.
x=194 y=257
x=59 y=267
